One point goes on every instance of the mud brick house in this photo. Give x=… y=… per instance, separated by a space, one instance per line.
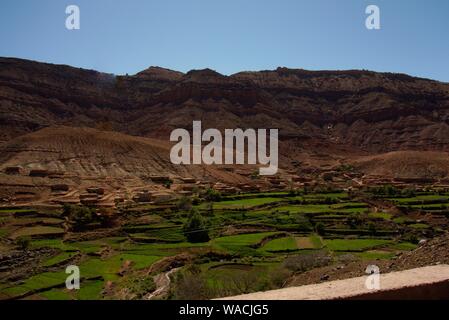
x=39 y=173
x=60 y=187
x=14 y=170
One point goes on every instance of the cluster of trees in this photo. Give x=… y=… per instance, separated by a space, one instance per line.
x=80 y=216
x=167 y=183
x=193 y=284
x=195 y=228
x=212 y=195
x=391 y=191
x=358 y=221
x=304 y=262
x=304 y=223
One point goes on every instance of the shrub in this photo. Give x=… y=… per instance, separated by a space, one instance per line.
x=190 y=285
x=346 y=258
x=168 y=183
x=140 y=285
x=23 y=243
x=304 y=262
x=293 y=192
x=345 y=168
x=372 y=228
x=196 y=201
x=408 y=193
x=279 y=277
x=328 y=176
x=355 y=221
x=319 y=228
x=184 y=203
x=386 y=190
x=303 y=222
x=410 y=237
x=209 y=209
x=329 y=200
x=212 y=195
x=254 y=175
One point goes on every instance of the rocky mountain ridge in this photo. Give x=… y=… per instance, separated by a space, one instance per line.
x=363 y=110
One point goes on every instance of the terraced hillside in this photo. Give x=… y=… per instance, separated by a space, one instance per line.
x=256 y=241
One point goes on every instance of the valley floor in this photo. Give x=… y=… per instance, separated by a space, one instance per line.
x=203 y=248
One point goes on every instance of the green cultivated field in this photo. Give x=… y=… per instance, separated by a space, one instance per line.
x=253 y=242
x=355 y=244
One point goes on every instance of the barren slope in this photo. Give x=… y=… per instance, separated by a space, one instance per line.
x=406 y=164
x=91 y=153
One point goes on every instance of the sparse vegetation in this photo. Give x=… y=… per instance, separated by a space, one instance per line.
x=304 y=262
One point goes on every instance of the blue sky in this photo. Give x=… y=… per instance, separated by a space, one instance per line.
x=121 y=37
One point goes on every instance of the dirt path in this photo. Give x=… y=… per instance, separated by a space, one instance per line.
x=162 y=282
x=360 y=183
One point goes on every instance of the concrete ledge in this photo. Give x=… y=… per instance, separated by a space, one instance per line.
x=422 y=283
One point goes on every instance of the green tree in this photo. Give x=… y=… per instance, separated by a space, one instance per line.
x=372 y=228
x=319 y=227
x=195 y=228
x=79 y=216
x=212 y=195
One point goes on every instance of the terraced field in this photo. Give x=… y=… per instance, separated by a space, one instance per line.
x=252 y=242
x=432 y=203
